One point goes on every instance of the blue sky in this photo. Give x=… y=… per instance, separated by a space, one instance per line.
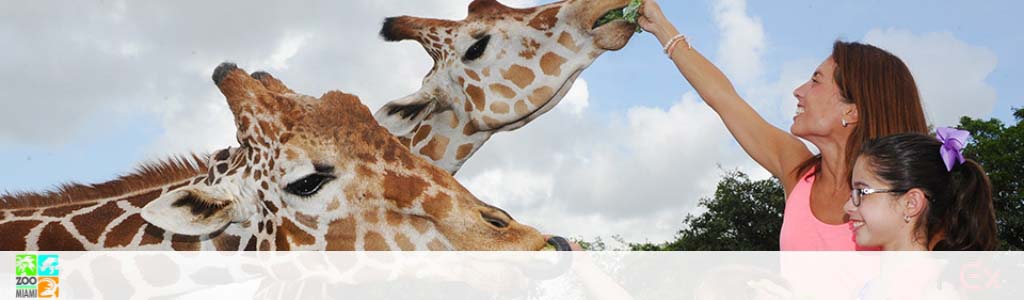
x=90 y=90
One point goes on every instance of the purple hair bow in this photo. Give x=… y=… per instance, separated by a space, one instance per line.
x=953 y=142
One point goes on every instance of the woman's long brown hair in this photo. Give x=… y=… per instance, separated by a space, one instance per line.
x=885 y=93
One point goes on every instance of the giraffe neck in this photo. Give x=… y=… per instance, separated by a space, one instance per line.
x=62 y=221
x=447 y=139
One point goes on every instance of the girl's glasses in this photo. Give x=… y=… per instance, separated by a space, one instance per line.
x=857 y=194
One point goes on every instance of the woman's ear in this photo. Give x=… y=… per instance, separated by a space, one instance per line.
x=915 y=202
x=851 y=113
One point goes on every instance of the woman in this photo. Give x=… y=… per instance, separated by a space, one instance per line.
x=913 y=192
x=858 y=93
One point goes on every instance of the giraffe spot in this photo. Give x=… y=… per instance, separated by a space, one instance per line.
x=420 y=224
x=122 y=234
x=436 y=148
x=541 y=96
x=492 y=122
x=438 y=206
x=472 y=75
x=14 y=233
x=529 y=48
x=291 y=154
x=551 y=64
x=333 y=205
x=436 y=245
x=374 y=241
x=403 y=189
x=258 y=175
x=61 y=211
x=463 y=151
x=503 y=90
x=499 y=107
x=222 y=168
x=486 y=72
x=152 y=235
x=55 y=237
x=521 y=108
x=421 y=134
x=453 y=121
x=24 y=212
x=140 y=201
x=546 y=19
x=519 y=75
x=184 y=242
x=462 y=81
x=404 y=243
x=265 y=186
x=264 y=245
x=470 y=129
x=568 y=42
x=370 y=217
x=222 y=155
x=270 y=205
x=270 y=227
x=92 y=224
x=297 y=236
x=477 y=96
x=341 y=235
x=307 y=220
x=394 y=219
x=227 y=242
x=406 y=141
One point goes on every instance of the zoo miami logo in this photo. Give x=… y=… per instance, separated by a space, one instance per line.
x=37 y=276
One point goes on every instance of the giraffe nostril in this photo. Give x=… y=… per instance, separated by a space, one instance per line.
x=494 y=221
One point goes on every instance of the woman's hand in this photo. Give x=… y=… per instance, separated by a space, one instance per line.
x=653 y=20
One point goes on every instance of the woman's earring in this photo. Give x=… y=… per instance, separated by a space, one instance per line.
x=845 y=124
x=906 y=218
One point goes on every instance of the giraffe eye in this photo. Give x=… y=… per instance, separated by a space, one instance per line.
x=309 y=185
x=477 y=49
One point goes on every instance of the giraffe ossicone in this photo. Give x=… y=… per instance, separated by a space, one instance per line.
x=308 y=174
x=497 y=70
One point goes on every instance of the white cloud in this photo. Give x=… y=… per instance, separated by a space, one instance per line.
x=742 y=41
x=577 y=99
x=949 y=72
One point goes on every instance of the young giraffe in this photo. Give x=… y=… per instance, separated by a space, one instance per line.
x=497 y=70
x=308 y=174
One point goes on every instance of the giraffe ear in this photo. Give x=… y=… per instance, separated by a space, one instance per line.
x=192 y=210
x=402 y=116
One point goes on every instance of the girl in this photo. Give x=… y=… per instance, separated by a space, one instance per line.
x=913 y=192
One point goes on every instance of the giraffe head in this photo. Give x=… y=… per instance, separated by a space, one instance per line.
x=497 y=70
x=321 y=174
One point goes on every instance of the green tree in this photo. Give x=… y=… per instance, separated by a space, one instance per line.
x=743 y=215
x=1000 y=150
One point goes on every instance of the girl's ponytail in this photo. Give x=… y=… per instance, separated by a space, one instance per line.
x=969 y=223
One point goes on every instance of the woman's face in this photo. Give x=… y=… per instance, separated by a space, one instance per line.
x=820 y=108
x=878 y=221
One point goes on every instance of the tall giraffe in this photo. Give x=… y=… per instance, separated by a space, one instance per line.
x=497 y=70
x=308 y=174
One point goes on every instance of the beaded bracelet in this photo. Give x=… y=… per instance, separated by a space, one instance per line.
x=671 y=45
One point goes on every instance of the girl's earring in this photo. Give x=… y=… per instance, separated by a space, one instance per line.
x=906 y=218
x=845 y=124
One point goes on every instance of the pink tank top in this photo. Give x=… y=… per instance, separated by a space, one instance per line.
x=802 y=231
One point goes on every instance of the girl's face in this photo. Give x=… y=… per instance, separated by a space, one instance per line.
x=878 y=221
x=820 y=108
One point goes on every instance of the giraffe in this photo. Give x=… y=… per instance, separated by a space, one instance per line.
x=308 y=174
x=495 y=71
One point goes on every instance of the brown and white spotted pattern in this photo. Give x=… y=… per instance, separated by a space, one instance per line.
x=497 y=70
x=308 y=174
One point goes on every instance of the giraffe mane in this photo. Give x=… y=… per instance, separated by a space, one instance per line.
x=145 y=176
